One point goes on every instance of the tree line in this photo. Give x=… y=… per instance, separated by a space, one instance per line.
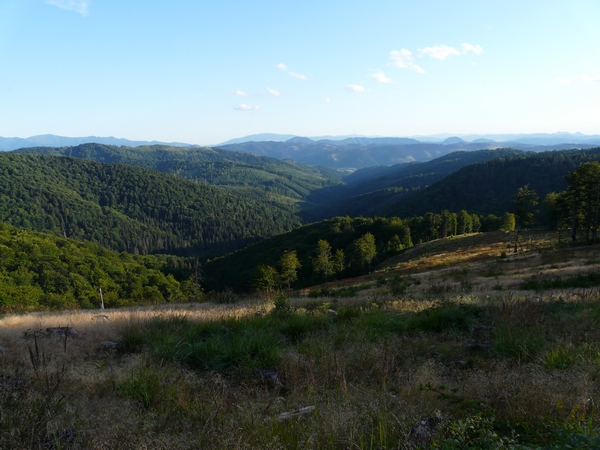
x=338 y=248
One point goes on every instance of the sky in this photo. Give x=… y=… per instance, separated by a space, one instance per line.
x=203 y=72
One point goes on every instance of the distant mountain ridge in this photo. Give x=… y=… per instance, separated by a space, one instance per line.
x=51 y=140
x=357 y=153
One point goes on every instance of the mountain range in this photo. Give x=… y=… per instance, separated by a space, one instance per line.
x=344 y=152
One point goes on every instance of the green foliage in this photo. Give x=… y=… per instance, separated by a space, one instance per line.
x=289 y=266
x=579 y=204
x=41 y=271
x=586 y=280
x=519 y=342
x=322 y=262
x=364 y=251
x=378 y=191
x=263 y=177
x=508 y=222
x=264 y=278
x=489 y=187
x=525 y=201
x=330 y=255
x=131 y=209
x=447 y=317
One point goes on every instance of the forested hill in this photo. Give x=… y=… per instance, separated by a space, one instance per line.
x=210 y=165
x=490 y=187
x=40 y=270
x=132 y=209
x=368 y=191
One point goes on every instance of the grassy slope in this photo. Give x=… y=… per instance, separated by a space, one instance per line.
x=373 y=364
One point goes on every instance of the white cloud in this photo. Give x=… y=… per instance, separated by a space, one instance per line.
x=404 y=59
x=381 y=77
x=285 y=68
x=466 y=48
x=274 y=92
x=244 y=107
x=590 y=78
x=440 y=52
x=80 y=6
x=297 y=75
x=355 y=88
x=327 y=100
x=562 y=81
x=240 y=93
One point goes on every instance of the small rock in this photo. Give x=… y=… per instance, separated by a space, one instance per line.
x=269 y=375
x=110 y=345
x=421 y=433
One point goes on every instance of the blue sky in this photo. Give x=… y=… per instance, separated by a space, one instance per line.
x=204 y=72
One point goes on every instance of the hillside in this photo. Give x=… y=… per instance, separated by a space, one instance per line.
x=369 y=191
x=453 y=344
x=132 y=209
x=270 y=178
x=42 y=271
x=340 y=232
x=490 y=187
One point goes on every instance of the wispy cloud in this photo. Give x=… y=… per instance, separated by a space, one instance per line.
x=274 y=92
x=300 y=76
x=291 y=73
x=240 y=93
x=443 y=52
x=466 y=48
x=381 y=77
x=358 y=88
x=80 y=6
x=244 y=107
x=440 y=52
x=590 y=78
x=327 y=100
x=405 y=60
x=562 y=80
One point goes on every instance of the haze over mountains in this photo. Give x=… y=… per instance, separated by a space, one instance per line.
x=344 y=152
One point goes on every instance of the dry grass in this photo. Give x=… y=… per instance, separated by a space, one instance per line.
x=369 y=387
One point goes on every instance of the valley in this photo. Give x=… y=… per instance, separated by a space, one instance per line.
x=297 y=306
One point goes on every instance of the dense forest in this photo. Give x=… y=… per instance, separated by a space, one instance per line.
x=128 y=208
x=132 y=209
x=40 y=270
x=369 y=191
x=490 y=187
x=267 y=178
